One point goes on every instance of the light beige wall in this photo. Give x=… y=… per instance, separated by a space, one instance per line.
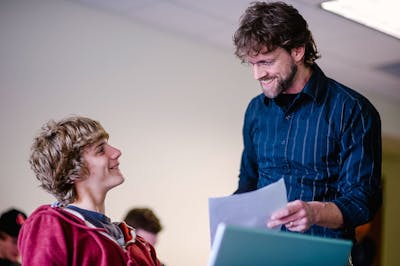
x=174 y=107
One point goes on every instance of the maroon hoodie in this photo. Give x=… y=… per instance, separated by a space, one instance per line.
x=54 y=236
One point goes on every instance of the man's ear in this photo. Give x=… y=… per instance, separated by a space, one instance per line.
x=297 y=53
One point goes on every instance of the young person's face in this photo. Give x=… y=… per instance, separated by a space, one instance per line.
x=102 y=162
x=9 y=248
x=275 y=70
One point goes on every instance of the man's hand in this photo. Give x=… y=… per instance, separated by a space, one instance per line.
x=296 y=216
x=299 y=215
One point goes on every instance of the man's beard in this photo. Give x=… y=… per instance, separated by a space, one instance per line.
x=288 y=82
x=283 y=85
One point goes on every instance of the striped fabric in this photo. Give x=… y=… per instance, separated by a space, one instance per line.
x=326 y=145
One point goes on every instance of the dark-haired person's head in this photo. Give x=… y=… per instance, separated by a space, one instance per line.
x=10 y=224
x=145 y=222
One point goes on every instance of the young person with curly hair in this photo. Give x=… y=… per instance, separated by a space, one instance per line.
x=74 y=162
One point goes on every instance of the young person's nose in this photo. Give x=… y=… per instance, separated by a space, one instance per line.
x=114 y=152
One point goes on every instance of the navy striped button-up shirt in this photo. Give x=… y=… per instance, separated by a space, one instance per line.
x=326 y=145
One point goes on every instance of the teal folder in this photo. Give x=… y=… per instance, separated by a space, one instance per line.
x=243 y=246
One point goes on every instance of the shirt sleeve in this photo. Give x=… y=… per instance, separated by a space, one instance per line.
x=42 y=242
x=360 y=160
x=248 y=177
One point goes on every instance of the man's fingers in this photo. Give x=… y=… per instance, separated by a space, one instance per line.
x=279 y=214
x=291 y=208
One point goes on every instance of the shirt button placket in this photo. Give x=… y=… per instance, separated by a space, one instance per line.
x=286 y=166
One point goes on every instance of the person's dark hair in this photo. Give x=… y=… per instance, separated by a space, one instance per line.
x=56 y=154
x=143 y=218
x=11 y=222
x=273 y=25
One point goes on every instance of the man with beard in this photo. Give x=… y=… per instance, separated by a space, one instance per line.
x=321 y=137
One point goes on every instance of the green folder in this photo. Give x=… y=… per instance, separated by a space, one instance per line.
x=235 y=245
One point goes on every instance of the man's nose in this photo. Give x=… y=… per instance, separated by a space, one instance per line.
x=258 y=72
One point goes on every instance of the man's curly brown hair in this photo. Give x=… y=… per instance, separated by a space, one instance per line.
x=273 y=25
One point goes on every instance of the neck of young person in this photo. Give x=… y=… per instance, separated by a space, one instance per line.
x=90 y=201
x=302 y=76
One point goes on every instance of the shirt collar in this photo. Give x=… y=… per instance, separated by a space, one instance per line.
x=315 y=85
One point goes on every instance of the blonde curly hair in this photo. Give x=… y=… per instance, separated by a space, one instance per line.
x=56 y=154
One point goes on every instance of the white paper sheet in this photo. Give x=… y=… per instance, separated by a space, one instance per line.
x=251 y=209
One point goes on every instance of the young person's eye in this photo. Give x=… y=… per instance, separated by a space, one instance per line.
x=100 y=149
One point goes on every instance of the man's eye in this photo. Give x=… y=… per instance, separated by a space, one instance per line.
x=259 y=64
x=266 y=63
